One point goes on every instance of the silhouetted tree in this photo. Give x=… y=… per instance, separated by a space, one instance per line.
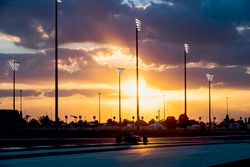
x=133 y=117
x=152 y=121
x=96 y=122
x=80 y=123
x=203 y=125
x=183 y=121
x=109 y=121
x=94 y=117
x=171 y=122
x=192 y=122
x=241 y=123
x=45 y=121
x=141 y=123
x=27 y=117
x=33 y=123
x=125 y=122
x=232 y=121
x=72 y=124
x=85 y=123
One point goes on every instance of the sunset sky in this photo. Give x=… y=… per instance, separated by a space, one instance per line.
x=98 y=36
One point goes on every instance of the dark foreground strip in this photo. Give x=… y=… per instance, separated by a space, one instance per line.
x=79 y=146
x=239 y=163
x=56 y=147
x=56 y=153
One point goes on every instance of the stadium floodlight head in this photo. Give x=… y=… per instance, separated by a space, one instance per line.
x=59 y=1
x=210 y=77
x=186 y=47
x=14 y=65
x=138 y=24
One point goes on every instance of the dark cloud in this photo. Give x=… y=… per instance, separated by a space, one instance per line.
x=22 y=18
x=38 y=68
x=25 y=93
x=84 y=92
x=198 y=22
x=62 y=93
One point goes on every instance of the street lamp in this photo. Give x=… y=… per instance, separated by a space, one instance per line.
x=210 y=77
x=164 y=96
x=14 y=66
x=21 y=100
x=56 y=63
x=99 y=95
x=159 y=115
x=120 y=72
x=138 y=25
x=227 y=104
x=186 y=50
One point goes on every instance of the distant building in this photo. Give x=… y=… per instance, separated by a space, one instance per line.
x=10 y=118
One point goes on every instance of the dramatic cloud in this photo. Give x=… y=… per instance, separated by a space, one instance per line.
x=201 y=64
x=91 y=32
x=144 y=4
x=118 y=59
x=248 y=70
x=10 y=38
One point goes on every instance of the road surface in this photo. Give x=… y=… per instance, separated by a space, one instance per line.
x=182 y=153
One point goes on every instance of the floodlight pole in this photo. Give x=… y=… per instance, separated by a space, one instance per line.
x=14 y=69
x=209 y=87
x=14 y=87
x=210 y=79
x=137 y=29
x=137 y=79
x=120 y=119
x=186 y=47
x=56 y=64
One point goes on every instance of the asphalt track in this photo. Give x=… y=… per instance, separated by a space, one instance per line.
x=185 y=155
x=188 y=151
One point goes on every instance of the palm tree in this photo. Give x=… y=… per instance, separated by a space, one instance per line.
x=27 y=117
x=66 y=119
